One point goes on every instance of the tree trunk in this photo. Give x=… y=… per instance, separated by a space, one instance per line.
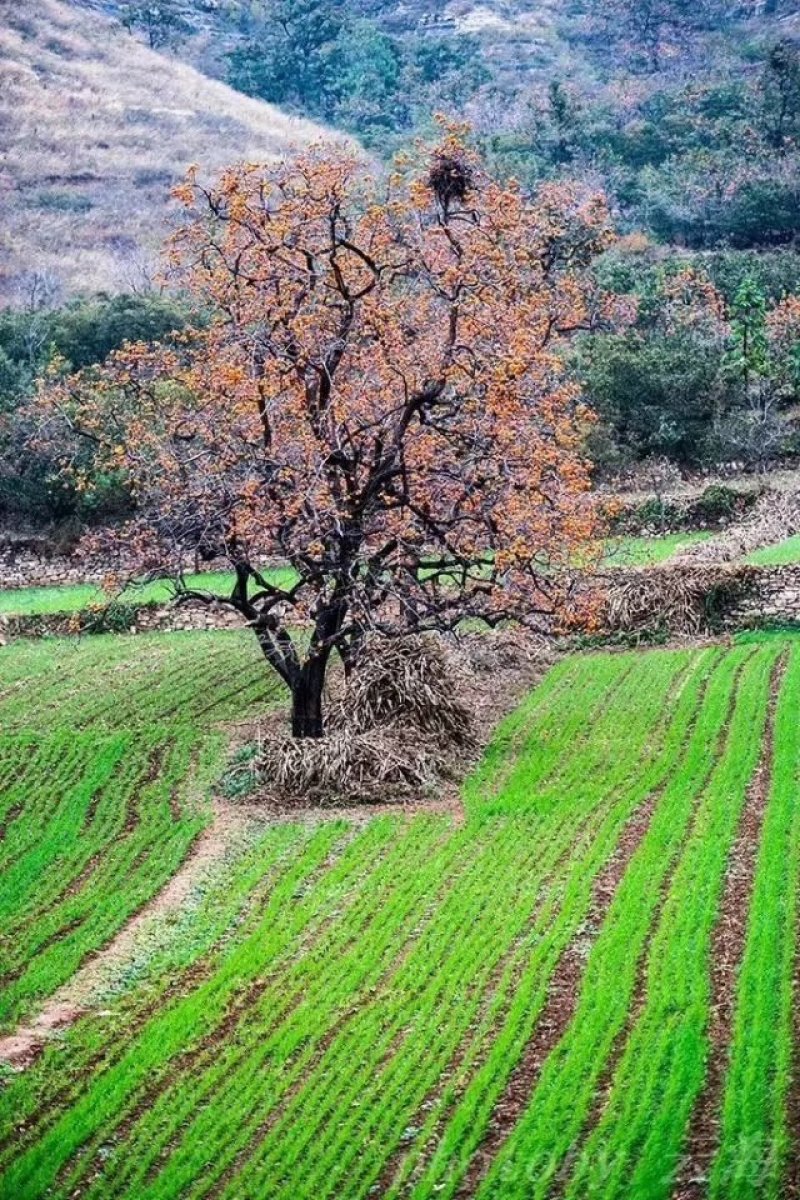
x=307 y=700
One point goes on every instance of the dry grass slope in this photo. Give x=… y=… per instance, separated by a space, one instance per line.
x=94 y=129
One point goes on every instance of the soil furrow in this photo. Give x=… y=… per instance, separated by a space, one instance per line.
x=727 y=950
x=561 y=1001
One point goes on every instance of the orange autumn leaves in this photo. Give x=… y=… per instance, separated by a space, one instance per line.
x=380 y=396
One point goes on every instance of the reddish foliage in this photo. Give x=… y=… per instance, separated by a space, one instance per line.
x=380 y=400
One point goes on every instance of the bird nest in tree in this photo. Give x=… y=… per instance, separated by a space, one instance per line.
x=450 y=178
x=390 y=734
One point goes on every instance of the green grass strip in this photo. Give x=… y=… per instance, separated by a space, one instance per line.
x=67 y=598
x=781 y=554
x=754 y=1136
x=173 y=1031
x=471 y=1118
x=225 y=910
x=561 y=1101
x=291 y=1015
x=412 y=1077
x=635 y=1148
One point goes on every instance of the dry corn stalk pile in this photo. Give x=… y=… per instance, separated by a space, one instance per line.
x=682 y=600
x=774 y=517
x=348 y=765
x=389 y=734
x=415 y=681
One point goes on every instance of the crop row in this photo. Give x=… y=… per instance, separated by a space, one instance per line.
x=581 y=813
x=118 y=683
x=229 y=904
x=343 y=1014
x=692 y=718
x=93 y=839
x=636 y=1144
x=755 y=1132
x=104 y=759
x=235 y=1081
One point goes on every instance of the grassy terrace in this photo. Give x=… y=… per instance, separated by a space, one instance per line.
x=646 y=551
x=36 y=601
x=779 y=555
x=354 y=1011
x=106 y=753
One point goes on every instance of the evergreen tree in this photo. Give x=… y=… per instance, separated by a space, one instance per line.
x=748 y=358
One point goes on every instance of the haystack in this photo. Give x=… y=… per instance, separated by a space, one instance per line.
x=392 y=733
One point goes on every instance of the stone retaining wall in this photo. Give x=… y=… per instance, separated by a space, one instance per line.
x=26 y=568
x=187 y=617
x=28 y=562
x=30 y=570
x=775 y=596
x=769 y=595
x=146 y=618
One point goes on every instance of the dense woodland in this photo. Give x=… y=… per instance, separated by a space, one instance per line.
x=686 y=115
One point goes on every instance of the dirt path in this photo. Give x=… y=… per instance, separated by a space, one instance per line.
x=232 y=829
x=228 y=830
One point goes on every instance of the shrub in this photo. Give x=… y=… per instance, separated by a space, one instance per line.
x=656 y=514
x=63 y=202
x=242 y=775
x=717 y=504
x=116 y=617
x=148 y=176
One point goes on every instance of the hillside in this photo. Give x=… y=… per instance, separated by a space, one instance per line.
x=96 y=127
x=516 y=35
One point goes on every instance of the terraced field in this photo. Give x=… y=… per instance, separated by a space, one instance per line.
x=583 y=989
x=67 y=598
x=106 y=751
x=779 y=555
x=40 y=601
x=644 y=551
